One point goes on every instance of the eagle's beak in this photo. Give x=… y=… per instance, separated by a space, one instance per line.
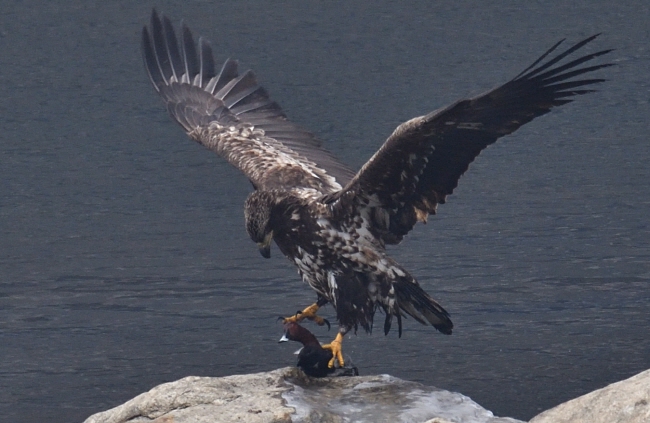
x=265 y=247
x=265 y=250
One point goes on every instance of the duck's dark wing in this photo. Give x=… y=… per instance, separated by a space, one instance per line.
x=234 y=116
x=422 y=161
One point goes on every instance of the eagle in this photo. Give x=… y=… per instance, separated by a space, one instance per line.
x=334 y=223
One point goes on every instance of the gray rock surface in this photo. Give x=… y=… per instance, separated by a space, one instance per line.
x=286 y=395
x=254 y=398
x=627 y=401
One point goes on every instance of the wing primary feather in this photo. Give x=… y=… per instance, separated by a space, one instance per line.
x=224 y=92
x=228 y=72
x=190 y=55
x=160 y=48
x=551 y=76
x=542 y=57
x=206 y=63
x=239 y=88
x=559 y=57
x=244 y=94
x=562 y=94
x=173 y=54
x=150 y=61
x=559 y=87
x=253 y=106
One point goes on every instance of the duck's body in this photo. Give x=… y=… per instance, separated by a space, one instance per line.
x=313 y=359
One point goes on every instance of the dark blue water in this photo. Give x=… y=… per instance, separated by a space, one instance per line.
x=123 y=258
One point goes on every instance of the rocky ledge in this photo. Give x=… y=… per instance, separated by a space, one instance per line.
x=287 y=395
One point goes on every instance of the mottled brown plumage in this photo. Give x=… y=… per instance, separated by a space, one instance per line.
x=331 y=222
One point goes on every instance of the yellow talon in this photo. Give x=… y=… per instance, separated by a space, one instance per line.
x=308 y=313
x=336 y=348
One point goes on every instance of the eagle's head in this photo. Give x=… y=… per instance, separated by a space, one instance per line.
x=257 y=211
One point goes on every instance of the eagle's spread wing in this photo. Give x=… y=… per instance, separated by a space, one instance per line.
x=422 y=161
x=233 y=116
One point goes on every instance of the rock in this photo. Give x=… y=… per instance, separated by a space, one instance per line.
x=247 y=398
x=627 y=401
x=287 y=395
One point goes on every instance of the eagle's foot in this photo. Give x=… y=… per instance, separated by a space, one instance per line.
x=336 y=348
x=310 y=314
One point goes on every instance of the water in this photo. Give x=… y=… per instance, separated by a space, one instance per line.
x=382 y=399
x=125 y=263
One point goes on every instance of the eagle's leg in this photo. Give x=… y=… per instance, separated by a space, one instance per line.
x=335 y=346
x=310 y=313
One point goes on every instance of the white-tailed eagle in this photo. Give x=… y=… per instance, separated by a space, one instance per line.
x=333 y=223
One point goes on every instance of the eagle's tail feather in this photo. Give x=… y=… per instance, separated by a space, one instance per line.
x=412 y=299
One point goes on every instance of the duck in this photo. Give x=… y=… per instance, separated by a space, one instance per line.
x=313 y=359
